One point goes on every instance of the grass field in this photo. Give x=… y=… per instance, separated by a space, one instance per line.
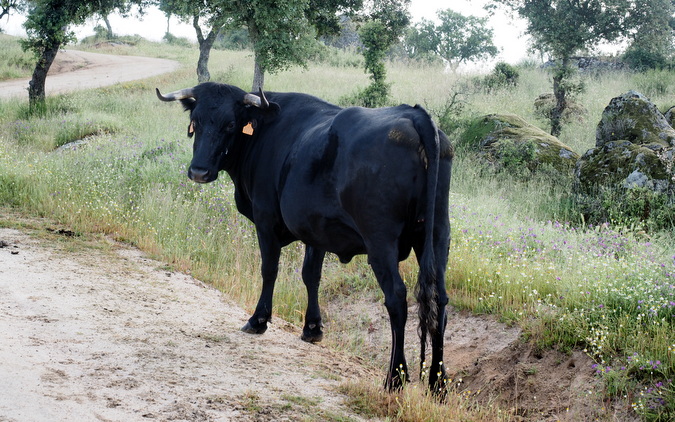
x=518 y=250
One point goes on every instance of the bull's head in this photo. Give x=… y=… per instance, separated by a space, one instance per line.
x=223 y=119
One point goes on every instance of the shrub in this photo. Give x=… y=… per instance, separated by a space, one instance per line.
x=171 y=39
x=503 y=76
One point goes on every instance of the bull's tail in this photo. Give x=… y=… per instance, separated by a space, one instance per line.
x=426 y=290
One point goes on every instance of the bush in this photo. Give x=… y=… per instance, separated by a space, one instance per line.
x=641 y=59
x=171 y=39
x=638 y=208
x=503 y=76
x=233 y=39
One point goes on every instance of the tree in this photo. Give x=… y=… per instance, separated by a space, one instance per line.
x=7 y=6
x=47 y=27
x=207 y=17
x=652 y=42
x=284 y=31
x=565 y=27
x=387 y=21
x=421 y=40
x=456 y=39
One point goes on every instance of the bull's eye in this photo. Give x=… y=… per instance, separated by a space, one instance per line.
x=231 y=126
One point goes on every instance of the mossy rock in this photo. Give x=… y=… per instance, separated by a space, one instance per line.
x=508 y=142
x=574 y=112
x=623 y=164
x=670 y=116
x=632 y=117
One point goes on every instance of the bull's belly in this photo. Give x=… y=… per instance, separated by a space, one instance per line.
x=331 y=235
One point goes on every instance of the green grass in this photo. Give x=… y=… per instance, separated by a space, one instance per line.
x=14 y=62
x=519 y=251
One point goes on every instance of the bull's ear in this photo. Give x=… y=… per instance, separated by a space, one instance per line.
x=267 y=114
x=188 y=103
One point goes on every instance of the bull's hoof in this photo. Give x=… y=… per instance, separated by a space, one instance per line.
x=312 y=333
x=250 y=329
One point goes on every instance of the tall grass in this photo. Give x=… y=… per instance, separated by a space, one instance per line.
x=517 y=251
x=14 y=62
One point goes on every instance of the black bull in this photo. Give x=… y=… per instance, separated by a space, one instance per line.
x=347 y=181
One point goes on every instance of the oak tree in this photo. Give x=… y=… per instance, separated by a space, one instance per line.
x=563 y=28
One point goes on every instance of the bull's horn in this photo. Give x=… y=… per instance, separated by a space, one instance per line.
x=257 y=101
x=176 y=95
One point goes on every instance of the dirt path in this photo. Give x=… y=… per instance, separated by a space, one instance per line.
x=73 y=70
x=96 y=331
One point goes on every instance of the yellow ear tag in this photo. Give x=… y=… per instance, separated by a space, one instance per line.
x=191 y=129
x=248 y=129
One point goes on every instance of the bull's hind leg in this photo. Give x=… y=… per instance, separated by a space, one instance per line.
x=311 y=276
x=384 y=261
x=437 y=374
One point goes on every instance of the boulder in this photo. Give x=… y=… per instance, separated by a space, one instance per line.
x=508 y=142
x=670 y=116
x=632 y=117
x=623 y=164
x=634 y=149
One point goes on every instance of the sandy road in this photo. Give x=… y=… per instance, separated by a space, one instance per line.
x=73 y=70
x=96 y=331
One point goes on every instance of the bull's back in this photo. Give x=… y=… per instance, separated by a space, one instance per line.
x=363 y=174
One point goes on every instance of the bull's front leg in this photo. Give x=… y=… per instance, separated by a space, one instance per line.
x=312 y=332
x=270 y=251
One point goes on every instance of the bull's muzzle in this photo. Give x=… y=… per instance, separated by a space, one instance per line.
x=201 y=175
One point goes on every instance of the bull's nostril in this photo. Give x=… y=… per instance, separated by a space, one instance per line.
x=198 y=175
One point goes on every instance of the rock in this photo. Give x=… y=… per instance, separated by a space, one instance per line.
x=623 y=164
x=591 y=65
x=634 y=148
x=670 y=116
x=574 y=112
x=632 y=117
x=509 y=142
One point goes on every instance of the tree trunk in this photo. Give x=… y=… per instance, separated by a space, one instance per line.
x=36 y=86
x=109 y=27
x=560 y=93
x=258 y=71
x=258 y=77
x=205 y=45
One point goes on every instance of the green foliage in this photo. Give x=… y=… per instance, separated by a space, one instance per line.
x=284 y=32
x=502 y=76
x=516 y=156
x=638 y=208
x=171 y=39
x=233 y=39
x=376 y=41
x=651 y=44
x=449 y=115
x=563 y=28
x=388 y=20
x=457 y=38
